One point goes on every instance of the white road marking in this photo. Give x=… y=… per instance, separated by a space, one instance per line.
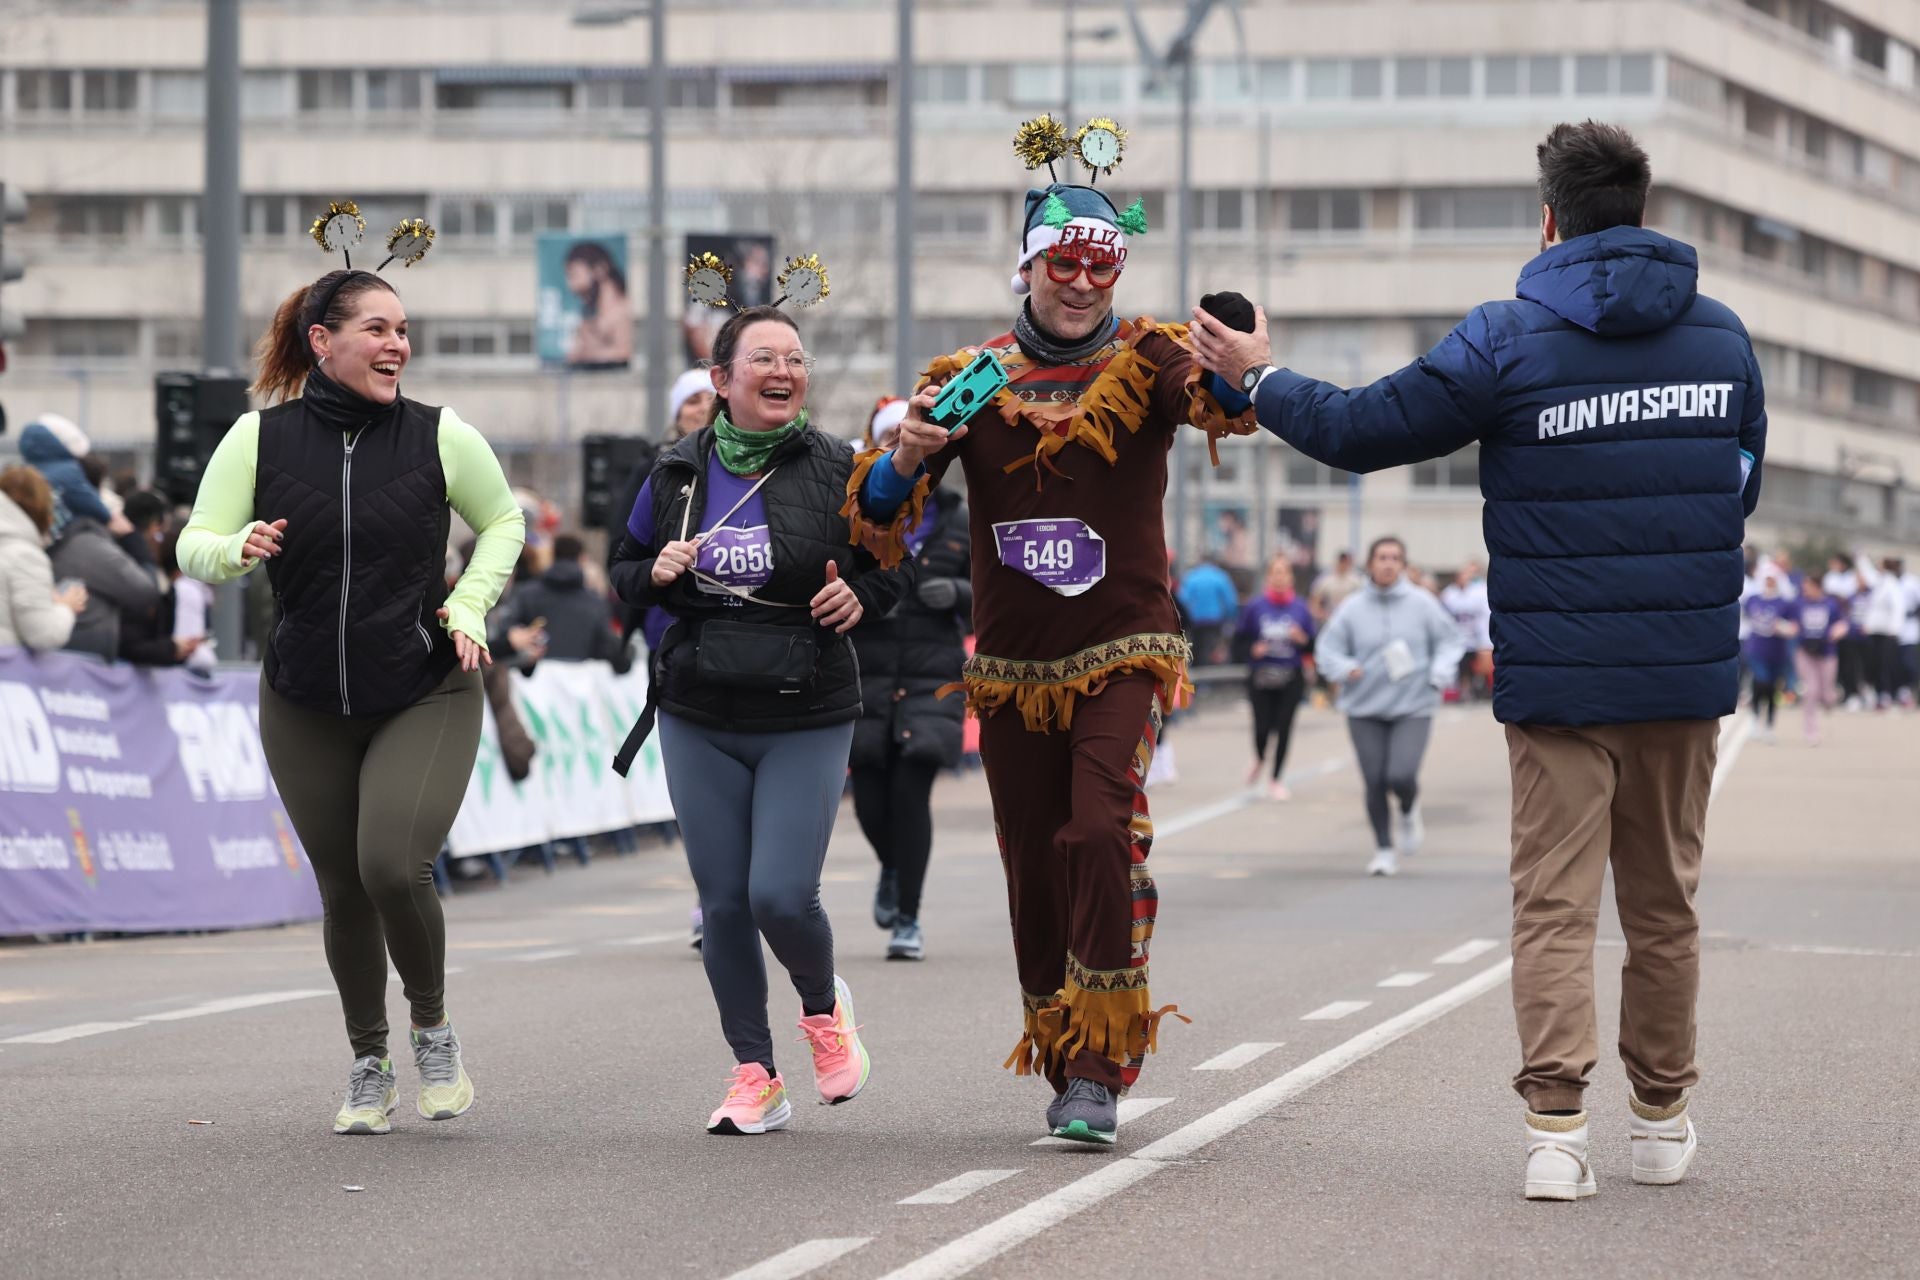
x=231 y=1003
x=1238 y=1056
x=1466 y=951
x=1409 y=979
x=551 y=953
x=1165 y=828
x=954 y=1190
x=393 y=975
x=978 y=1247
x=1335 y=1011
x=1731 y=743
x=1876 y=952
x=1130 y=1109
x=60 y=1034
x=801 y=1259
x=652 y=939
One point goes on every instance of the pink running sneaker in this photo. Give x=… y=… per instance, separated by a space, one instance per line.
x=756 y=1103
x=840 y=1062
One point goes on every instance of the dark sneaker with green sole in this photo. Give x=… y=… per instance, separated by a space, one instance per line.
x=1086 y=1112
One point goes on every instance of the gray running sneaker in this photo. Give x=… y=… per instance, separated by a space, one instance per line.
x=445 y=1090
x=1088 y=1112
x=1053 y=1111
x=371 y=1096
x=908 y=942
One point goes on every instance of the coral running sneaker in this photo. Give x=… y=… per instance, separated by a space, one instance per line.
x=756 y=1103
x=840 y=1062
x=371 y=1097
x=445 y=1090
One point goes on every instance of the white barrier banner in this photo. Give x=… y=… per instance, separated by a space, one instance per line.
x=577 y=713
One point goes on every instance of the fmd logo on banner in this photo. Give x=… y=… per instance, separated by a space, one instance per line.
x=138 y=800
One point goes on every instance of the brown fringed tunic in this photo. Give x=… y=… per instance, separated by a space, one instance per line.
x=1088 y=676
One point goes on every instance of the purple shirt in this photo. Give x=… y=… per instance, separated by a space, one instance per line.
x=1817 y=619
x=738 y=553
x=1766 y=643
x=1264 y=622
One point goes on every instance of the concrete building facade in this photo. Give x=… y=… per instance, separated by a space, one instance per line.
x=1363 y=168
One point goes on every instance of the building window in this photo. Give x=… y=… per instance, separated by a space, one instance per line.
x=266 y=95
x=505 y=99
x=1034 y=84
x=177 y=340
x=1273 y=81
x=1476 y=209
x=1303 y=472
x=1503 y=77
x=177 y=218
x=942 y=85
x=393 y=91
x=1455 y=471
x=1325 y=212
x=266 y=216
x=1872 y=390
x=1433 y=77
x=616 y=95
x=179 y=95
x=82 y=340
x=43 y=92
x=1636 y=75
x=698 y=92
x=326 y=91
x=957 y=217
x=109 y=91
x=1545 y=76
x=93 y=217
x=1344 y=78
x=533 y=216
x=1224 y=211
x=474 y=218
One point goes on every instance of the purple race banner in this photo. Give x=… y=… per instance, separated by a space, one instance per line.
x=138 y=800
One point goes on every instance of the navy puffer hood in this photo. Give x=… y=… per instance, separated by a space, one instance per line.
x=1616 y=283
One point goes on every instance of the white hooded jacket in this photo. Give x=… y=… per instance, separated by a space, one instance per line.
x=29 y=615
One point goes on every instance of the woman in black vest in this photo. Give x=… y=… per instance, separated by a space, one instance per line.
x=739 y=535
x=907 y=732
x=370 y=693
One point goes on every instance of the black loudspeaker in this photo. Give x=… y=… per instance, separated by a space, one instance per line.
x=607 y=463
x=192 y=413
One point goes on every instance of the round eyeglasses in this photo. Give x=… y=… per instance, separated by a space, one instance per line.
x=1062 y=269
x=764 y=361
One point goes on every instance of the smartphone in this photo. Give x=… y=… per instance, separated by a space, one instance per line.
x=970 y=389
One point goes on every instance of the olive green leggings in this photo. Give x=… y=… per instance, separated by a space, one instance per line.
x=372 y=798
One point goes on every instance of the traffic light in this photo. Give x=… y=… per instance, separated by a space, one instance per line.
x=193 y=412
x=13 y=208
x=608 y=462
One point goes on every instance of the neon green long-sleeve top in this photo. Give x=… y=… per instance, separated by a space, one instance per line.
x=212 y=546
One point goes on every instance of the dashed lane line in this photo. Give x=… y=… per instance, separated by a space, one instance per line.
x=1187 y=820
x=1408 y=979
x=230 y=1004
x=801 y=1259
x=1334 y=1012
x=980 y=1246
x=59 y=1035
x=551 y=953
x=954 y=1190
x=1472 y=949
x=1239 y=1056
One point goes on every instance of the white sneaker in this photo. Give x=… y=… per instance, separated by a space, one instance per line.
x=1664 y=1143
x=1385 y=863
x=1557 y=1167
x=1412 y=832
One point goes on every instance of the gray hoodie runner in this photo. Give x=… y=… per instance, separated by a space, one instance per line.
x=1361 y=632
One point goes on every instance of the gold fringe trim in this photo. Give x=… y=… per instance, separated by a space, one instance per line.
x=1203 y=411
x=1046 y=692
x=1557 y=1124
x=887 y=542
x=1121 y=1026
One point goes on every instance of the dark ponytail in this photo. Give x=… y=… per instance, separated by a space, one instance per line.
x=726 y=345
x=285 y=355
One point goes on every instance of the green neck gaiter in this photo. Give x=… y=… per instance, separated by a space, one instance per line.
x=745 y=452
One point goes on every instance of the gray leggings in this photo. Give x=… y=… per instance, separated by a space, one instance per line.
x=756 y=811
x=1390 y=752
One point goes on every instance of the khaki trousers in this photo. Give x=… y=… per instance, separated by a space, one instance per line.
x=1635 y=796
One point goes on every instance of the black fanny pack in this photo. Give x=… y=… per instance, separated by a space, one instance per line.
x=746 y=655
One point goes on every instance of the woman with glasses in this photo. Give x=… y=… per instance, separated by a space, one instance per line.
x=739 y=535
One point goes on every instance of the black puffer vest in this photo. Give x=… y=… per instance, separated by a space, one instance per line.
x=362 y=566
x=803 y=499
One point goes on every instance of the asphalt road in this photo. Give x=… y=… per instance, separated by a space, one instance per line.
x=1339 y=1106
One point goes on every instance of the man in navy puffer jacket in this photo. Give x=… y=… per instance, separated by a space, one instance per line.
x=1621 y=425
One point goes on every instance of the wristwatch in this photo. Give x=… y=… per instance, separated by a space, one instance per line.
x=1251 y=378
